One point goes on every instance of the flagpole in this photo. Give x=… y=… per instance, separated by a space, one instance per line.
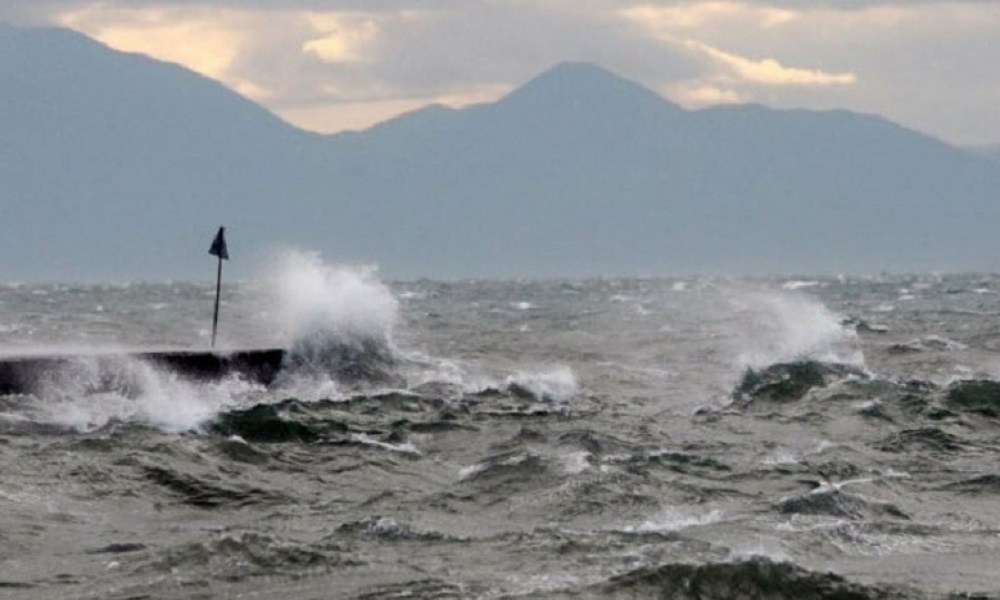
x=218 y=291
x=218 y=249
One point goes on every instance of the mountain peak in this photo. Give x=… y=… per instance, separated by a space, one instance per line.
x=582 y=82
x=578 y=70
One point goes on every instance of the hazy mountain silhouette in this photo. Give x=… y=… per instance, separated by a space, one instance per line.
x=119 y=166
x=114 y=163
x=991 y=151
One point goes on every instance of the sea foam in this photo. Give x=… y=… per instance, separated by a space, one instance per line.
x=558 y=384
x=90 y=392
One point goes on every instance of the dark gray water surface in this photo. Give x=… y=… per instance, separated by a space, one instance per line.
x=554 y=439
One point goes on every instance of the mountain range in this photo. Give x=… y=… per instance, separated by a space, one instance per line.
x=991 y=151
x=117 y=166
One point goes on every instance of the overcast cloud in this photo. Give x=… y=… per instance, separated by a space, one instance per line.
x=330 y=65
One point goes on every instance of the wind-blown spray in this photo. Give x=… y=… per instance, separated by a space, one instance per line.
x=336 y=319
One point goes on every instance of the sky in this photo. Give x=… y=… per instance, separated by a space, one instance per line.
x=332 y=65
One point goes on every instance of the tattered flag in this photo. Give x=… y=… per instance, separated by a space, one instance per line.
x=219 y=245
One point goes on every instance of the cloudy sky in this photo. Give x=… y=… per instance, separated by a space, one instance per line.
x=330 y=65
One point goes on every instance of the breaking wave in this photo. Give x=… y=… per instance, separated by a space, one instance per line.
x=753 y=578
x=785 y=326
x=336 y=320
x=90 y=392
x=336 y=323
x=557 y=385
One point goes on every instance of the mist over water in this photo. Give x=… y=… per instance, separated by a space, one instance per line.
x=545 y=439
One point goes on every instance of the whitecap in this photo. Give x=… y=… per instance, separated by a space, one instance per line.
x=671 y=519
x=404 y=448
x=574 y=463
x=781 y=457
x=798 y=285
x=782 y=327
x=556 y=385
x=90 y=392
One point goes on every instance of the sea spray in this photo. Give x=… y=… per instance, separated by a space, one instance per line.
x=89 y=392
x=557 y=385
x=337 y=320
x=789 y=326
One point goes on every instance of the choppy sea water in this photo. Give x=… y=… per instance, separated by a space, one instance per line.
x=554 y=439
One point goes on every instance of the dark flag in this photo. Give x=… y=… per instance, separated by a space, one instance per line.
x=218 y=249
x=219 y=245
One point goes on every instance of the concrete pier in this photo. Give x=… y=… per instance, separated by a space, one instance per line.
x=21 y=374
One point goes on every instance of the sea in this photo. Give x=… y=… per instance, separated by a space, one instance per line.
x=683 y=438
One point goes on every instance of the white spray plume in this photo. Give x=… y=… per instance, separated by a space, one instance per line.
x=90 y=392
x=318 y=301
x=783 y=326
x=556 y=385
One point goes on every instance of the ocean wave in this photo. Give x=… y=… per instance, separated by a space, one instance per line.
x=338 y=320
x=86 y=393
x=558 y=385
x=931 y=439
x=201 y=492
x=243 y=555
x=977 y=396
x=838 y=503
x=785 y=382
x=753 y=578
x=791 y=327
x=389 y=529
x=673 y=519
x=267 y=423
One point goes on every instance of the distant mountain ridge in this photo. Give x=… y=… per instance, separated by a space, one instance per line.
x=991 y=152
x=119 y=167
